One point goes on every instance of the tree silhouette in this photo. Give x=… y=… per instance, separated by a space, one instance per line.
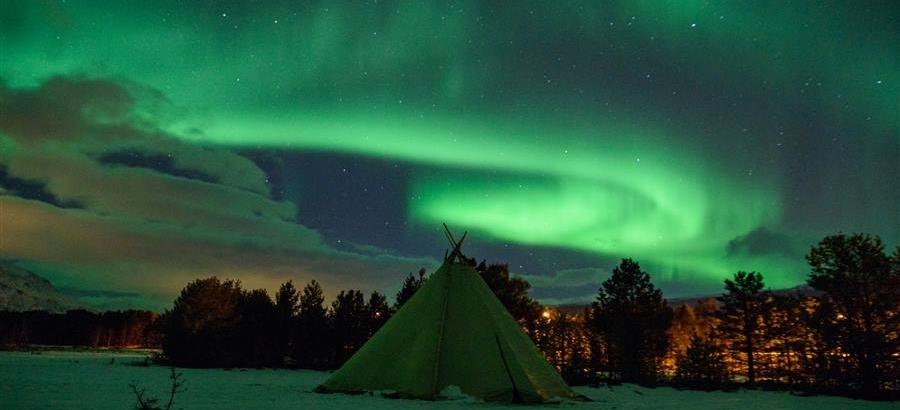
x=566 y=343
x=313 y=339
x=512 y=292
x=286 y=300
x=379 y=312
x=632 y=317
x=689 y=322
x=286 y=309
x=409 y=288
x=743 y=306
x=789 y=339
x=130 y=328
x=255 y=342
x=862 y=285
x=349 y=323
x=701 y=366
x=681 y=332
x=199 y=328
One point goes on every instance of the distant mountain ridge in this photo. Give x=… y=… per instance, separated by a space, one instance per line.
x=22 y=290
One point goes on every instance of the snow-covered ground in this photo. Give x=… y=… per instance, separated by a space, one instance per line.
x=99 y=380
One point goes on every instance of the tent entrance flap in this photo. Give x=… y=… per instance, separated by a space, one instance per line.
x=516 y=396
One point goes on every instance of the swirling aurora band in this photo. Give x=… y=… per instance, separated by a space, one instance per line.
x=606 y=190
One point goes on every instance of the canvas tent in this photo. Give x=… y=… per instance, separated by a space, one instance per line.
x=452 y=332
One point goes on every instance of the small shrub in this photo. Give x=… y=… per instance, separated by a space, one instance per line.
x=150 y=403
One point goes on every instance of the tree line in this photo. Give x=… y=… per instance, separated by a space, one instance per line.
x=216 y=323
x=841 y=338
x=129 y=328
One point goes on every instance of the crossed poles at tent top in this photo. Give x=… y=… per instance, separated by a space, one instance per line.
x=456 y=255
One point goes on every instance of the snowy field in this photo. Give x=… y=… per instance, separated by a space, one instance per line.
x=99 y=380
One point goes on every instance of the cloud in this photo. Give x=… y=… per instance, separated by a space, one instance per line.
x=157 y=162
x=154 y=212
x=762 y=241
x=568 y=286
x=64 y=108
x=31 y=189
x=569 y=278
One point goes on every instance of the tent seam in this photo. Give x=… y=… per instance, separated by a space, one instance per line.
x=440 y=338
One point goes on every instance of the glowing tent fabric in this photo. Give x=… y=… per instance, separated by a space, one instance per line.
x=452 y=332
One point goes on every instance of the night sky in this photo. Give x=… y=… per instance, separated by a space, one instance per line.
x=146 y=144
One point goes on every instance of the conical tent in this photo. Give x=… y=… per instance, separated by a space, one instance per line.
x=452 y=332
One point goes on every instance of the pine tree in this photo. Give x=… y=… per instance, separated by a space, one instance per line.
x=743 y=306
x=287 y=308
x=313 y=346
x=379 y=312
x=254 y=344
x=788 y=337
x=862 y=284
x=632 y=317
x=199 y=331
x=287 y=299
x=349 y=317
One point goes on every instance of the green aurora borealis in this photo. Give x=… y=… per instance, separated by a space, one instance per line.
x=697 y=137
